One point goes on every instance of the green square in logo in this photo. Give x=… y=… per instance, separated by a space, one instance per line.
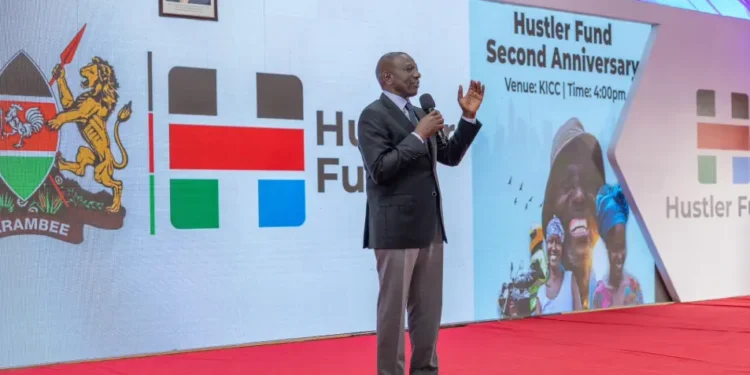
x=707 y=169
x=194 y=204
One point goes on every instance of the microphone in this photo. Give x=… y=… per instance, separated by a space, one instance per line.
x=428 y=105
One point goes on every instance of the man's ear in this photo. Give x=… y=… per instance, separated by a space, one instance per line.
x=387 y=77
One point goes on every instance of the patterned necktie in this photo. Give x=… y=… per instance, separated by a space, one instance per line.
x=412 y=114
x=414 y=121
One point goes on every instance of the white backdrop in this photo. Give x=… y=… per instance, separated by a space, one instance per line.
x=126 y=291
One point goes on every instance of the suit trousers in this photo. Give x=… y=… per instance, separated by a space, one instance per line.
x=410 y=280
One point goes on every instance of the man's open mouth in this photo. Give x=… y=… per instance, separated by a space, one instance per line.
x=578 y=228
x=85 y=82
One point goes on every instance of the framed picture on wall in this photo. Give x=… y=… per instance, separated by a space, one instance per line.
x=195 y=9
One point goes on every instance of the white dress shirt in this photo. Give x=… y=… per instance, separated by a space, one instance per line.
x=400 y=102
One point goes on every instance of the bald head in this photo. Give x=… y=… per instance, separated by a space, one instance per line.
x=385 y=64
x=397 y=73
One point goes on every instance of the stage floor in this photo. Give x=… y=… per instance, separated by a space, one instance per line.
x=696 y=338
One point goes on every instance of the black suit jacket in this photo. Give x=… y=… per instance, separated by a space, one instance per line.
x=404 y=205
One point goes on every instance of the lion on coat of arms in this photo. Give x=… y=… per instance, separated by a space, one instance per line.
x=90 y=112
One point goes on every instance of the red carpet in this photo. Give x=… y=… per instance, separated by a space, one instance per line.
x=700 y=338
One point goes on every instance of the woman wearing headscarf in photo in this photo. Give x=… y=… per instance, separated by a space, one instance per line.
x=538 y=264
x=618 y=288
x=560 y=292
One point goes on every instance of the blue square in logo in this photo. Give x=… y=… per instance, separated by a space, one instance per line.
x=281 y=203
x=741 y=170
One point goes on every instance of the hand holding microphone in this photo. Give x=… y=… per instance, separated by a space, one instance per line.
x=430 y=124
x=428 y=105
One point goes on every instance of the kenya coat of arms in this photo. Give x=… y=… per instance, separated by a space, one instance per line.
x=41 y=190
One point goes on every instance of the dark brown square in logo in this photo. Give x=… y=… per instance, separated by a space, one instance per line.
x=740 y=106
x=706 y=103
x=279 y=96
x=192 y=91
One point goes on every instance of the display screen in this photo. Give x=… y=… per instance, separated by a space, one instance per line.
x=729 y=8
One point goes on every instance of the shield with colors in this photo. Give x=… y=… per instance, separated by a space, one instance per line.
x=27 y=145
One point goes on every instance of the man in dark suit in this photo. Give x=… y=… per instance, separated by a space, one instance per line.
x=404 y=218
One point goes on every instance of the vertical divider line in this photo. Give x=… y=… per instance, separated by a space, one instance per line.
x=150 y=143
x=152 y=201
x=150 y=83
x=151 y=187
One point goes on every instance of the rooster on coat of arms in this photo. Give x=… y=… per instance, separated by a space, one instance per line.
x=34 y=118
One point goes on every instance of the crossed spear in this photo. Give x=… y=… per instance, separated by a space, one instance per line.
x=70 y=51
x=66 y=57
